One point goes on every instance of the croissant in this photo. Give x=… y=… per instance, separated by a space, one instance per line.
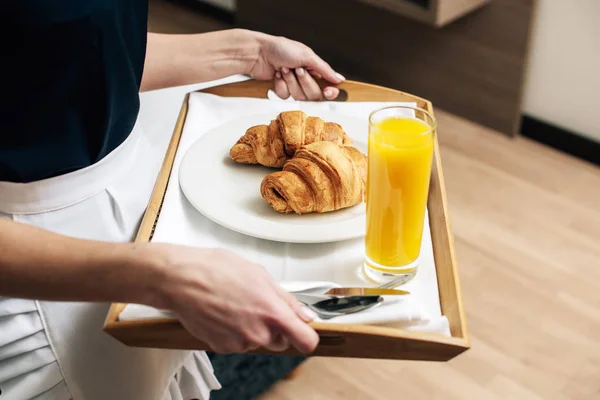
x=321 y=177
x=272 y=145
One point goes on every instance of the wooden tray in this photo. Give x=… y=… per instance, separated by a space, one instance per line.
x=337 y=340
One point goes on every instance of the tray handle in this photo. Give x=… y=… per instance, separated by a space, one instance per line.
x=349 y=91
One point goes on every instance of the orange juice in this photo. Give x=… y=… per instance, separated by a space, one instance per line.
x=400 y=157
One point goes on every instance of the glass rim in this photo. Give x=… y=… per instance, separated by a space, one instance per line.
x=432 y=125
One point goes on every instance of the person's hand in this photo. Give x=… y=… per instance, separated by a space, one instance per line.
x=294 y=66
x=231 y=304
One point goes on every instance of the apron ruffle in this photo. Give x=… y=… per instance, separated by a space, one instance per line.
x=28 y=366
x=193 y=380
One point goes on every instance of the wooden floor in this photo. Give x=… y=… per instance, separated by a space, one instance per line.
x=526 y=221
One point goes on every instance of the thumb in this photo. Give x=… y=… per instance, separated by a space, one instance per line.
x=301 y=311
x=319 y=66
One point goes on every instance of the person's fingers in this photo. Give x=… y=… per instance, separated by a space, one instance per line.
x=331 y=93
x=311 y=90
x=292 y=84
x=244 y=342
x=291 y=320
x=281 y=88
x=279 y=344
x=259 y=335
x=252 y=347
x=319 y=66
x=315 y=74
x=305 y=313
x=230 y=345
x=300 y=334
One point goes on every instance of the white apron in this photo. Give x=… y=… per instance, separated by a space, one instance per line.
x=57 y=350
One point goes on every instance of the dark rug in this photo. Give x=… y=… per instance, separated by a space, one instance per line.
x=245 y=376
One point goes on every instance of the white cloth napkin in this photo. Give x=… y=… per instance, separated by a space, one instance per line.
x=399 y=311
x=394 y=309
x=338 y=262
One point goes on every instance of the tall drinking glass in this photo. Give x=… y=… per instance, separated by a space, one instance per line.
x=401 y=142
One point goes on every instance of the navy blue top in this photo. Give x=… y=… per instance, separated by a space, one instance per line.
x=70 y=74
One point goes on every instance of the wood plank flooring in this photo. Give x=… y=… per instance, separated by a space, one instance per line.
x=526 y=221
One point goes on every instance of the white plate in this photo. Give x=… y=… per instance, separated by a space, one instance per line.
x=228 y=193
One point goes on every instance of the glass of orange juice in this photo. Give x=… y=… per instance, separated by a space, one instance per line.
x=400 y=154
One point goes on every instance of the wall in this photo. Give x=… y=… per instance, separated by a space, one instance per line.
x=229 y=5
x=563 y=75
x=473 y=67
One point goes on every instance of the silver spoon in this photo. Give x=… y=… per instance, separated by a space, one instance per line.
x=329 y=306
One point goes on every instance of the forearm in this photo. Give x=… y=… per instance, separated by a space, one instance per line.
x=38 y=264
x=174 y=60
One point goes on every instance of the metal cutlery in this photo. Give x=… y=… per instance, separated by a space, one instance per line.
x=329 y=306
x=329 y=288
x=350 y=291
x=349 y=300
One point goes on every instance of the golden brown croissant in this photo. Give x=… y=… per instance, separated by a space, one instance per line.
x=272 y=145
x=322 y=177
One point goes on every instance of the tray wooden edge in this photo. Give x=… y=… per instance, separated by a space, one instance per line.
x=444 y=252
x=333 y=336
x=334 y=340
x=148 y=223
